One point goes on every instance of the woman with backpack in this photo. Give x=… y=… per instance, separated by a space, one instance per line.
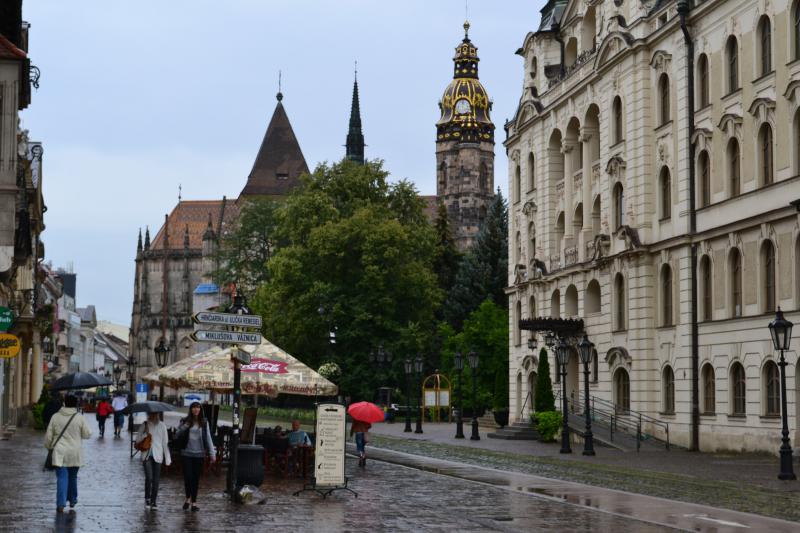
x=195 y=444
x=153 y=442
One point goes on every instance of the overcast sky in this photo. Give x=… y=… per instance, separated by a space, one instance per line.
x=139 y=97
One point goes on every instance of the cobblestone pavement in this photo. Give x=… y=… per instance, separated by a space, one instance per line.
x=391 y=498
x=742 y=482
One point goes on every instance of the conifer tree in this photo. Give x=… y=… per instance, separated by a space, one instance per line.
x=445 y=263
x=543 y=398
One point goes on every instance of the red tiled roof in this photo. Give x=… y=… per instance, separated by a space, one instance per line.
x=9 y=51
x=193 y=214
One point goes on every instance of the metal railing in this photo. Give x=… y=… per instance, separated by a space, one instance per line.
x=522 y=411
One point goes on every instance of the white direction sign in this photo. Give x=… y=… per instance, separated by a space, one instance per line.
x=227 y=337
x=227 y=319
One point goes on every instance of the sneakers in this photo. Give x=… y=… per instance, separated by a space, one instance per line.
x=73 y=504
x=153 y=506
x=195 y=508
x=147 y=504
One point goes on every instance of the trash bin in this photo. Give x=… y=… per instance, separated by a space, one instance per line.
x=250 y=468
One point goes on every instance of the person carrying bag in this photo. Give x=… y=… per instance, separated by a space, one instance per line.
x=195 y=443
x=63 y=439
x=154 y=445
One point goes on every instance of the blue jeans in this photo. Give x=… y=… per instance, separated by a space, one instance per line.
x=360 y=443
x=66 y=485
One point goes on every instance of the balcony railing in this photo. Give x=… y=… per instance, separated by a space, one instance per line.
x=570 y=255
x=577 y=181
x=555 y=262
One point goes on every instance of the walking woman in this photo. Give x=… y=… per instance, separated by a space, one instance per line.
x=153 y=458
x=103 y=411
x=63 y=437
x=194 y=442
x=361 y=430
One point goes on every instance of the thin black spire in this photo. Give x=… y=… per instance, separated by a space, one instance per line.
x=355 y=138
x=139 y=244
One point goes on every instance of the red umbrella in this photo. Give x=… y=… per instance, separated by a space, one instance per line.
x=366 y=412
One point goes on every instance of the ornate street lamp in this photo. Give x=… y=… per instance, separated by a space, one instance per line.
x=532 y=343
x=562 y=357
x=131 y=363
x=161 y=351
x=419 y=367
x=781 y=331
x=117 y=371
x=459 y=361
x=408 y=366
x=550 y=339
x=585 y=350
x=473 y=361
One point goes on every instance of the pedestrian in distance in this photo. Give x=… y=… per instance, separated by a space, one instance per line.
x=64 y=437
x=152 y=459
x=53 y=405
x=102 y=413
x=119 y=403
x=361 y=431
x=195 y=444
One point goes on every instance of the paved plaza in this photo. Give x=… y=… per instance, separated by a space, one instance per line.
x=396 y=492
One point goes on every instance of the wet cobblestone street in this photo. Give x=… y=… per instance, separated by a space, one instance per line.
x=391 y=498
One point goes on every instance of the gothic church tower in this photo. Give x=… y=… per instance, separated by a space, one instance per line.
x=465 y=147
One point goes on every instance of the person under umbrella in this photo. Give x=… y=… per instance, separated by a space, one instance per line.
x=363 y=414
x=156 y=454
x=119 y=403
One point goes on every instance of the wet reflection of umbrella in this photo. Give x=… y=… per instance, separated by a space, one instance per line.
x=366 y=412
x=79 y=380
x=147 y=407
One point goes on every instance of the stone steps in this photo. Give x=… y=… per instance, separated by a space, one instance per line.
x=516 y=431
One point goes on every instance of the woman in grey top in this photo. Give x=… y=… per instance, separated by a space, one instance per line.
x=195 y=443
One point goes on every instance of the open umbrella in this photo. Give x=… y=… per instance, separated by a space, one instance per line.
x=79 y=380
x=147 y=407
x=366 y=412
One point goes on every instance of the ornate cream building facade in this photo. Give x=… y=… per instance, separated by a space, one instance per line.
x=653 y=167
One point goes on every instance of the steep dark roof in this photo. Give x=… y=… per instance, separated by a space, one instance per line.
x=355 y=137
x=279 y=162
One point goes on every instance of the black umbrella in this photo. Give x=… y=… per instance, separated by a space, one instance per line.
x=148 y=407
x=79 y=380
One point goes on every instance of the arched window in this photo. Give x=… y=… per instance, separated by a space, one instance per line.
x=735 y=266
x=663 y=99
x=796 y=29
x=768 y=276
x=704 y=171
x=702 y=81
x=765 y=45
x=668 y=387
x=591 y=303
x=588 y=30
x=732 y=60
x=666 y=296
x=765 y=153
x=619 y=206
x=709 y=390
x=738 y=390
x=555 y=304
x=619 y=301
x=734 y=170
x=571 y=302
x=559 y=234
x=517 y=318
x=532 y=306
x=531 y=242
x=705 y=289
x=531 y=172
x=665 y=187
x=772 y=389
x=622 y=391
x=517 y=184
x=616 y=111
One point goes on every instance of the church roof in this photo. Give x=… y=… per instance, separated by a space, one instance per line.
x=279 y=162
x=193 y=214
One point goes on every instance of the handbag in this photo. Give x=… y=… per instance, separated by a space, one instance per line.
x=144 y=444
x=48 y=462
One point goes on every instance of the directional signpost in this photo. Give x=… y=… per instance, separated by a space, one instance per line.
x=227 y=319
x=226 y=337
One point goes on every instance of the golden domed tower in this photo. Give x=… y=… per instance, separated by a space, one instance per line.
x=465 y=147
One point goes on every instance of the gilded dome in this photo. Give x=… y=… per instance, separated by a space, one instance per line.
x=465 y=105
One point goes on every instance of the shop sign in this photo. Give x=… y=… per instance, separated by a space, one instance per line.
x=9 y=345
x=6 y=318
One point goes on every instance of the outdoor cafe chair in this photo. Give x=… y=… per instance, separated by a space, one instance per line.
x=277 y=455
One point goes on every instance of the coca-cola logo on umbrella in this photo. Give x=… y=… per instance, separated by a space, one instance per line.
x=265 y=366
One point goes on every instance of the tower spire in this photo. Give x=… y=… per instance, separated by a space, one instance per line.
x=147 y=238
x=139 y=244
x=355 y=137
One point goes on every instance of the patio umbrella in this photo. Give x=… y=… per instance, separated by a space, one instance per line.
x=366 y=412
x=79 y=380
x=147 y=407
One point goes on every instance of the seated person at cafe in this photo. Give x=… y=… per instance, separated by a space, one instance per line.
x=298 y=437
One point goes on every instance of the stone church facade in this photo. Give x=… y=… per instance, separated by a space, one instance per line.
x=654 y=173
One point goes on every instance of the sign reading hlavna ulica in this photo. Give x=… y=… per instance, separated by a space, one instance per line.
x=329 y=453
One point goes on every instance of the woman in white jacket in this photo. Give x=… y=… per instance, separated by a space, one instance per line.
x=67 y=450
x=153 y=458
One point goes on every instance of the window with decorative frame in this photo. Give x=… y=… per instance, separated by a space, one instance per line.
x=704 y=167
x=665 y=186
x=766 y=155
x=707 y=285
x=616 y=110
x=666 y=296
x=738 y=390
x=668 y=387
x=732 y=60
x=619 y=302
x=765 y=45
x=772 y=389
x=663 y=99
x=622 y=391
x=709 y=390
x=531 y=172
x=734 y=168
x=619 y=206
x=768 y=276
x=796 y=30
x=735 y=263
x=703 y=93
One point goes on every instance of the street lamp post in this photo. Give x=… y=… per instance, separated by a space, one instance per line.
x=459 y=360
x=585 y=349
x=562 y=356
x=117 y=371
x=409 y=368
x=419 y=366
x=131 y=363
x=781 y=331
x=382 y=359
x=161 y=360
x=472 y=359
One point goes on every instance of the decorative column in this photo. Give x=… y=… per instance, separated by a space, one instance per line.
x=567 y=147
x=587 y=134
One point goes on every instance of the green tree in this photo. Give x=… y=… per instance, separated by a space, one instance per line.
x=447 y=255
x=363 y=250
x=543 y=398
x=243 y=254
x=483 y=273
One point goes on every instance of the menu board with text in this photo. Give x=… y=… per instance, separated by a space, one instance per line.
x=330 y=442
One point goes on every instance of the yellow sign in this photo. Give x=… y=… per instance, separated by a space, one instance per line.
x=9 y=345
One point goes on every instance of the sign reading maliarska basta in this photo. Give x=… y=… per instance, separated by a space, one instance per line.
x=227 y=319
x=226 y=337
